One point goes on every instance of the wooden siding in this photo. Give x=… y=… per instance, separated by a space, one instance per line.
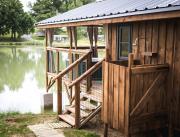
x=161 y=37
x=114 y=95
x=155 y=42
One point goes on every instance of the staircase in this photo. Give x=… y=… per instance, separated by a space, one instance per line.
x=90 y=105
x=84 y=104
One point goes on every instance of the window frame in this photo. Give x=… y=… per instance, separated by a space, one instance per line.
x=119 y=40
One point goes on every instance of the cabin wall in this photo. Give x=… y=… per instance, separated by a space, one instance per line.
x=154 y=42
x=161 y=37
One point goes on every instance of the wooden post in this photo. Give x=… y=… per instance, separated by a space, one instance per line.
x=105 y=130
x=59 y=95
x=127 y=95
x=89 y=80
x=46 y=44
x=108 y=41
x=69 y=29
x=90 y=34
x=59 y=87
x=74 y=38
x=95 y=41
x=77 y=105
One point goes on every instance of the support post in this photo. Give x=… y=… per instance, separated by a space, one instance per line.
x=46 y=44
x=69 y=29
x=95 y=41
x=77 y=105
x=108 y=41
x=89 y=79
x=105 y=130
x=127 y=95
x=59 y=95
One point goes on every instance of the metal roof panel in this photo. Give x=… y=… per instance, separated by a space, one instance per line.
x=113 y=8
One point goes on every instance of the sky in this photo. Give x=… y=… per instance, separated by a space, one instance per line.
x=25 y=4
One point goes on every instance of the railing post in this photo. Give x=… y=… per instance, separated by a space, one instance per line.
x=89 y=80
x=59 y=95
x=77 y=105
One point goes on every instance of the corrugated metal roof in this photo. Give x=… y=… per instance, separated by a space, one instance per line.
x=111 y=9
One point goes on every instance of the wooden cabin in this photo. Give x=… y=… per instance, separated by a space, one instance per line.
x=140 y=87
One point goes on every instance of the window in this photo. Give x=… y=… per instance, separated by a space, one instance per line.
x=123 y=40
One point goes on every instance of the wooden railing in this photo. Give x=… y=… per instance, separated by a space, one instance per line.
x=69 y=68
x=57 y=77
x=76 y=84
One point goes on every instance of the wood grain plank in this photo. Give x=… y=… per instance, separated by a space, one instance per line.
x=155 y=39
x=162 y=42
x=116 y=97
x=122 y=88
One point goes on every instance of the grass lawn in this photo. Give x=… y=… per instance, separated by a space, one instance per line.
x=15 y=125
x=79 y=133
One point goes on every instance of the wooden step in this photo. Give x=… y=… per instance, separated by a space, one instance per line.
x=93 y=97
x=68 y=118
x=87 y=105
x=83 y=113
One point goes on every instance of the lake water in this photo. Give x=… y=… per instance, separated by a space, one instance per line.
x=22 y=79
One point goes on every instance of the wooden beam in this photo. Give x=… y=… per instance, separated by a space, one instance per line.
x=80 y=47
x=152 y=89
x=132 y=18
x=67 y=50
x=149 y=69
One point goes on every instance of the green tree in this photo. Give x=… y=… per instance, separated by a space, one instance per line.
x=43 y=9
x=13 y=19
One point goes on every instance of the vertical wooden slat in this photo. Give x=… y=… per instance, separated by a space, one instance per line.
x=116 y=97
x=122 y=88
x=135 y=40
x=142 y=41
x=155 y=40
x=114 y=45
x=110 y=103
x=103 y=95
x=162 y=42
x=106 y=92
x=148 y=41
x=77 y=105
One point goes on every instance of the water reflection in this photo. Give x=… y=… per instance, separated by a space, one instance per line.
x=22 y=76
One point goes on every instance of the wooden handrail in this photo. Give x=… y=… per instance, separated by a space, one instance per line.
x=86 y=74
x=69 y=68
x=80 y=47
x=68 y=50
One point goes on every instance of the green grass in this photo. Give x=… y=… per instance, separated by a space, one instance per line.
x=79 y=133
x=16 y=124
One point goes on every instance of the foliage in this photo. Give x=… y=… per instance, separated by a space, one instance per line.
x=13 y=19
x=43 y=9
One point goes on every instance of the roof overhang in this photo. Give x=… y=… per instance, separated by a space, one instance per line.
x=114 y=19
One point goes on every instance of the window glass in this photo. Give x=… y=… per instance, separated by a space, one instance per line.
x=124 y=41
